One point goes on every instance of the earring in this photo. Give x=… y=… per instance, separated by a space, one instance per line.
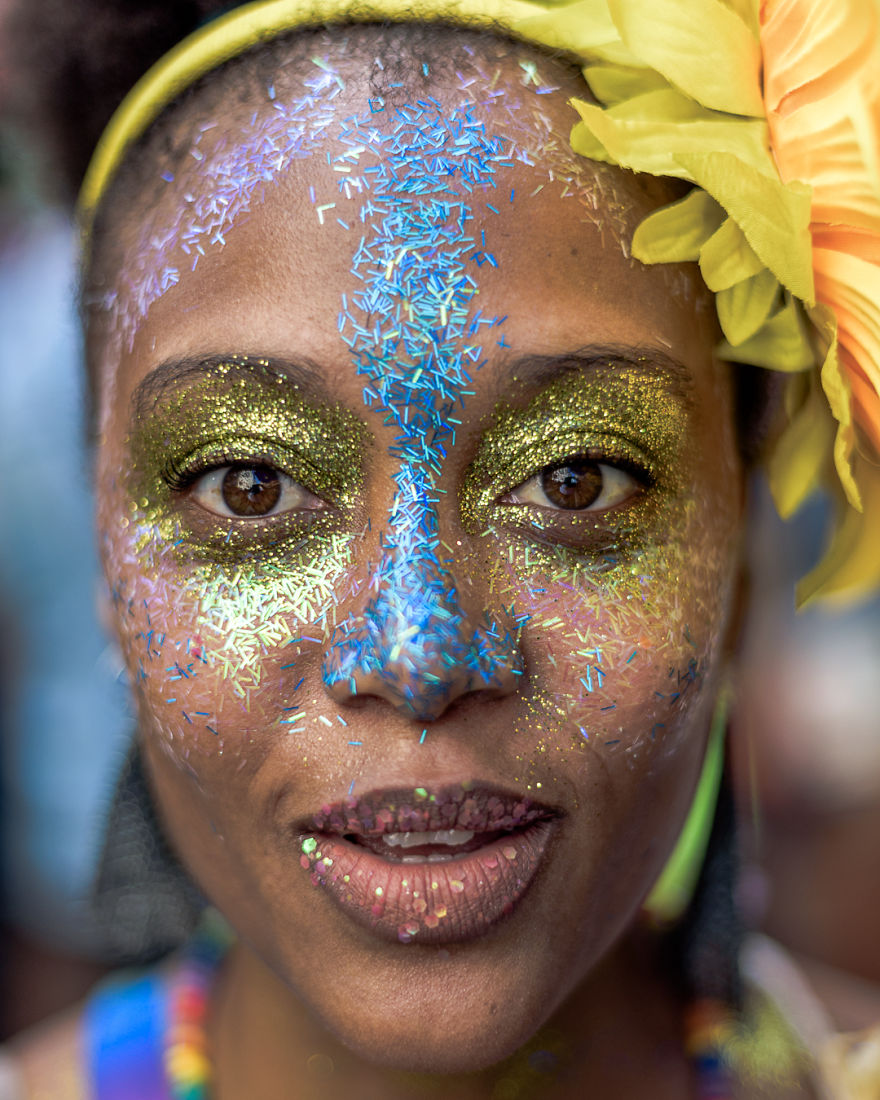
x=672 y=892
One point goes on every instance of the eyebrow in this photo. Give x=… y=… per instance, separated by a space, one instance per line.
x=533 y=370
x=175 y=374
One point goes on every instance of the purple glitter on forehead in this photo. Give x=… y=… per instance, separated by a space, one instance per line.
x=232 y=177
x=231 y=167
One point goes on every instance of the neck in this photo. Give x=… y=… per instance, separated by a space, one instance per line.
x=619 y=1034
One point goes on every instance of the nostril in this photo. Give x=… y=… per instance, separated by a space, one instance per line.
x=420 y=678
x=413 y=643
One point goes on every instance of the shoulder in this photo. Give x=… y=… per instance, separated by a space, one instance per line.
x=850 y=1057
x=46 y=1062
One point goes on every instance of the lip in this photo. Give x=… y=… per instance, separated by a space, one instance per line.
x=419 y=901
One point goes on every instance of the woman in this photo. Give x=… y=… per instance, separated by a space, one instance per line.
x=421 y=504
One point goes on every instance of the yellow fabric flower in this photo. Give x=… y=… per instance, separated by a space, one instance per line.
x=773 y=112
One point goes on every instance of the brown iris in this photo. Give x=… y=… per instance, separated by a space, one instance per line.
x=251 y=490
x=574 y=483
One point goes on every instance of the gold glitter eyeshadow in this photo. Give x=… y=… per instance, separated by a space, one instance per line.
x=254 y=581
x=240 y=411
x=617 y=415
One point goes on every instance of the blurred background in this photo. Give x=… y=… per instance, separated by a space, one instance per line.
x=805 y=727
x=63 y=717
x=805 y=744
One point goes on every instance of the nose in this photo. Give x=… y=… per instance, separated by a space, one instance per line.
x=412 y=644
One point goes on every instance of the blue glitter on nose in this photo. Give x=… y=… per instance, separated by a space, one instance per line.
x=410 y=328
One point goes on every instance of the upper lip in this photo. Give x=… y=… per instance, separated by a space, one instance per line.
x=475 y=807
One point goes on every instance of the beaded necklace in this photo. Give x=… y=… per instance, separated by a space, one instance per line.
x=185 y=1056
x=708 y=1024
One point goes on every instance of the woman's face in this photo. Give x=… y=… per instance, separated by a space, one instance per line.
x=419 y=504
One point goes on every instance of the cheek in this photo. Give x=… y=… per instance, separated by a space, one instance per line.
x=619 y=660
x=218 y=656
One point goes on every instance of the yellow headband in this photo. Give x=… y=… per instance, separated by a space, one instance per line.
x=779 y=131
x=237 y=31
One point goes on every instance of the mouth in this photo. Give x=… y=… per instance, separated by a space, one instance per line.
x=427 y=866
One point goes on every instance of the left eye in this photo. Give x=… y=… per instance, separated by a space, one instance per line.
x=251 y=492
x=577 y=484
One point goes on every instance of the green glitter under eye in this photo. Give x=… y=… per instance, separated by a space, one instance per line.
x=618 y=415
x=240 y=412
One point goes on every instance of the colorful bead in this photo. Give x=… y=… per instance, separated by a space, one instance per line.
x=708 y=1026
x=186 y=1056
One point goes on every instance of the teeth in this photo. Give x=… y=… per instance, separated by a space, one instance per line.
x=450 y=837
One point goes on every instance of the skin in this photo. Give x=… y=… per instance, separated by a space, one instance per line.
x=647 y=586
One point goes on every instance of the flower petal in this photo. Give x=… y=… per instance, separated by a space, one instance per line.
x=676 y=233
x=850 y=570
x=822 y=91
x=799 y=459
x=784 y=342
x=584 y=28
x=745 y=307
x=671 y=36
x=774 y=218
x=614 y=84
x=850 y=287
x=652 y=132
x=727 y=258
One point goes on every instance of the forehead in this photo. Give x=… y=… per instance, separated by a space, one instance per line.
x=263 y=206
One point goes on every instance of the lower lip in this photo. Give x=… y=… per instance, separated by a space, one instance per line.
x=432 y=903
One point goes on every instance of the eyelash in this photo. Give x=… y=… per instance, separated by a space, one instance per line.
x=642 y=478
x=183 y=480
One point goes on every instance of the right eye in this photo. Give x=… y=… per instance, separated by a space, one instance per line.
x=577 y=484
x=251 y=491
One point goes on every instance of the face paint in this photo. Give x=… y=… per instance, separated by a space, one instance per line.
x=626 y=415
x=366 y=260
x=418 y=264
x=206 y=414
x=615 y=413
x=253 y=577
x=415 y=332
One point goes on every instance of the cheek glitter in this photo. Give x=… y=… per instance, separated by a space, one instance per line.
x=614 y=603
x=619 y=653
x=246 y=583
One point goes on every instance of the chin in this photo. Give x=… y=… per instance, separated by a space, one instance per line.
x=458 y=1009
x=440 y=1038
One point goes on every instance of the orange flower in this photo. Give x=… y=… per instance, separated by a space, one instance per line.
x=822 y=97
